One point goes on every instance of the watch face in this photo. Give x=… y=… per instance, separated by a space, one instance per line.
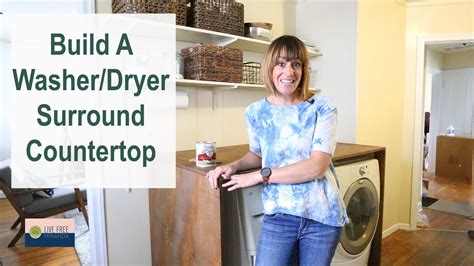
x=266 y=172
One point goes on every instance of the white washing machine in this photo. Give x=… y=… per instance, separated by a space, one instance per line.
x=360 y=188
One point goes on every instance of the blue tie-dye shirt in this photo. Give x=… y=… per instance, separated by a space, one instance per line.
x=284 y=135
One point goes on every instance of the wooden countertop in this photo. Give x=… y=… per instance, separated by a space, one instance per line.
x=344 y=152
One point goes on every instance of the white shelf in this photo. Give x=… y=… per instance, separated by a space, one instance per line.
x=217 y=85
x=224 y=85
x=194 y=35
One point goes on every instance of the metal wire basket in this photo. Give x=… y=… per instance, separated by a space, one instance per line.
x=251 y=73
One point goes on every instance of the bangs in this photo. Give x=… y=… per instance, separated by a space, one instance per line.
x=290 y=47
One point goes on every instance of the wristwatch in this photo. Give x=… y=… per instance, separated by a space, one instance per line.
x=266 y=173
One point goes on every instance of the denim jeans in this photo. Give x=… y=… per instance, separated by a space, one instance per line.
x=285 y=239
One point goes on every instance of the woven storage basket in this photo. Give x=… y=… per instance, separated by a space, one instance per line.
x=212 y=63
x=177 y=7
x=217 y=15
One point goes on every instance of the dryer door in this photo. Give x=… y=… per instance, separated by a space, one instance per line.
x=362 y=205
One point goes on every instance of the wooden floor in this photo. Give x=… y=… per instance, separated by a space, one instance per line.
x=442 y=188
x=444 y=241
x=439 y=244
x=21 y=255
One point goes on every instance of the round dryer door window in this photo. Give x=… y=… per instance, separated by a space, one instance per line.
x=362 y=205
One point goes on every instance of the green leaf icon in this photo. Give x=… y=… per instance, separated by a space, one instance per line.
x=35 y=232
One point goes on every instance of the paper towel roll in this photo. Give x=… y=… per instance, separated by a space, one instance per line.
x=182 y=99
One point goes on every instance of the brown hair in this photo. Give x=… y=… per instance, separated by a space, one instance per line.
x=294 y=48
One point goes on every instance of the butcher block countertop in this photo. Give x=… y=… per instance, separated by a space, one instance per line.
x=344 y=153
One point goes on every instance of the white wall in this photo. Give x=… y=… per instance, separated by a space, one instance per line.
x=332 y=27
x=281 y=13
x=457 y=100
x=5 y=101
x=128 y=227
x=433 y=64
x=436 y=90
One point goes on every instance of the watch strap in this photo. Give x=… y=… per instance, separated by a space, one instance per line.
x=266 y=173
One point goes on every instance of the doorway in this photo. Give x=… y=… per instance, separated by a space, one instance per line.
x=434 y=100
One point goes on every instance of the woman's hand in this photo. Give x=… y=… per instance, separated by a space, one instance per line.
x=225 y=171
x=244 y=180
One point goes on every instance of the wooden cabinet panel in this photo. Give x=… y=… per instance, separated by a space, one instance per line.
x=185 y=222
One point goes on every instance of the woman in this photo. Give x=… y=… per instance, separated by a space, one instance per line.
x=292 y=137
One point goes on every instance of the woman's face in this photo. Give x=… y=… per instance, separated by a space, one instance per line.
x=286 y=75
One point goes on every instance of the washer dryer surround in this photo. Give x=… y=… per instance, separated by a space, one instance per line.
x=359 y=185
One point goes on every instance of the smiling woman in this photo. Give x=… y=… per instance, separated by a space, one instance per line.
x=292 y=137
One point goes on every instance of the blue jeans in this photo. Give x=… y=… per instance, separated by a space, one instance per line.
x=285 y=239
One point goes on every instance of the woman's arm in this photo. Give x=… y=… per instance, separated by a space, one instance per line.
x=250 y=160
x=303 y=171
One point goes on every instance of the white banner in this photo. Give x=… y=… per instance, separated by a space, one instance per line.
x=94 y=101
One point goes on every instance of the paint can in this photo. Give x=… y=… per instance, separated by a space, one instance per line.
x=205 y=153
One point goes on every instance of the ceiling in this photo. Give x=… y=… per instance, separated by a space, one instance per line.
x=452 y=47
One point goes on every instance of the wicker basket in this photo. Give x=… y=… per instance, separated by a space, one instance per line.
x=212 y=63
x=217 y=15
x=177 y=7
x=252 y=73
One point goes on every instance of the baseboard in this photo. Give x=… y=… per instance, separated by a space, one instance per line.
x=394 y=228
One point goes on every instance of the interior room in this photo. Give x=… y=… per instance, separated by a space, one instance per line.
x=448 y=74
x=401 y=74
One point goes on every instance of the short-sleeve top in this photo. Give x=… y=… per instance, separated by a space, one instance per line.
x=284 y=135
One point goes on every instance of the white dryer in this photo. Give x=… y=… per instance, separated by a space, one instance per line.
x=360 y=188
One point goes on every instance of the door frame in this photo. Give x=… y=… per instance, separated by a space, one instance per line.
x=417 y=169
x=97 y=228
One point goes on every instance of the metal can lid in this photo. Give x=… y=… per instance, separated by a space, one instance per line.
x=206 y=142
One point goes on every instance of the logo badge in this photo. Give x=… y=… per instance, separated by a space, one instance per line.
x=49 y=232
